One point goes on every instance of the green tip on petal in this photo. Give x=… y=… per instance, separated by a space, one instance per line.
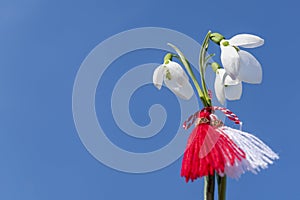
x=216 y=38
x=168 y=74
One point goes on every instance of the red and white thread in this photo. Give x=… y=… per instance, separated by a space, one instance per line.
x=233 y=117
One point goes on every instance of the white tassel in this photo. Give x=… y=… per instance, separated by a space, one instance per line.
x=258 y=154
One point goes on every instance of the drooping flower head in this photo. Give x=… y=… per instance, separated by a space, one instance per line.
x=175 y=79
x=239 y=65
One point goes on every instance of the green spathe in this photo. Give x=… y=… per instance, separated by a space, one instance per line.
x=216 y=38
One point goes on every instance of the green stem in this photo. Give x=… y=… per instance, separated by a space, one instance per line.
x=202 y=66
x=221 y=187
x=209 y=187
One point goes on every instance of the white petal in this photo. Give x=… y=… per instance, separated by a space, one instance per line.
x=179 y=83
x=158 y=76
x=230 y=60
x=250 y=68
x=233 y=92
x=177 y=72
x=246 y=41
x=175 y=67
x=183 y=90
x=227 y=80
x=219 y=87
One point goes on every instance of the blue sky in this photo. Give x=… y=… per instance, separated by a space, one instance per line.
x=42 y=45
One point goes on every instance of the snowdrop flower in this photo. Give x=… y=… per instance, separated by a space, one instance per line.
x=240 y=64
x=175 y=79
x=226 y=87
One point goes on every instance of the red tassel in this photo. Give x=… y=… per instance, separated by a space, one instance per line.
x=208 y=150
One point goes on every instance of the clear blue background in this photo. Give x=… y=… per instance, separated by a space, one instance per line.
x=42 y=44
